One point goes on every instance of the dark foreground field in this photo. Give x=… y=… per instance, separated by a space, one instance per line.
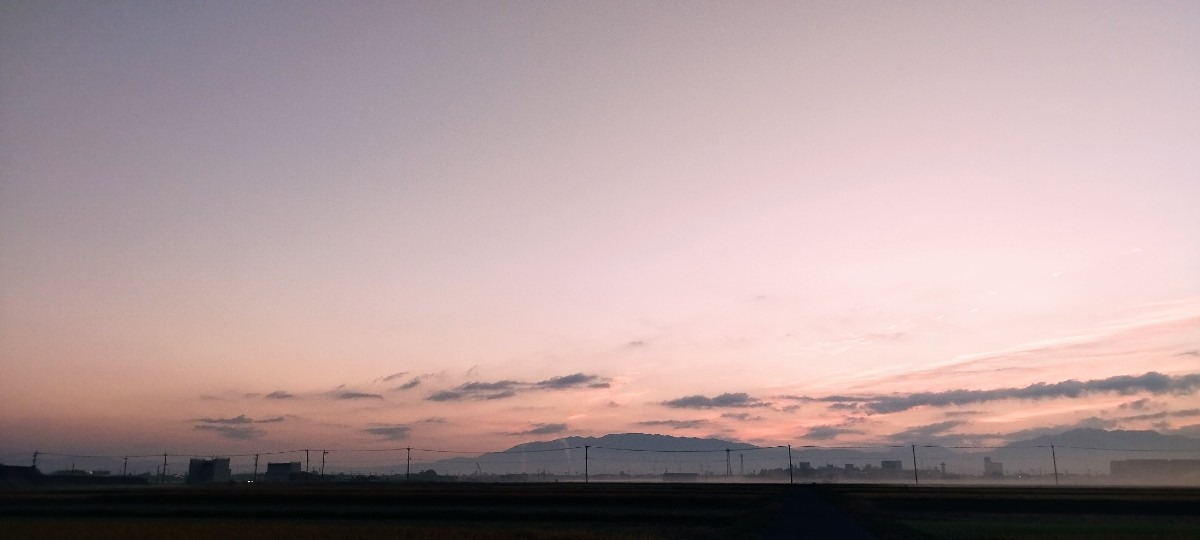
x=600 y=511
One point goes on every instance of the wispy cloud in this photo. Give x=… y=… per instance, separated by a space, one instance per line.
x=478 y=390
x=393 y=376
x=542 y=429
x=238 y=420
x=675 y=424
x=572 y=381
x=824 y=433
x=390 y=433
x=237 y=433
x=280 y=394
x=1152 y=383
x=356 y=395
x=743 y=417
x=412 y=383
x=736 y=400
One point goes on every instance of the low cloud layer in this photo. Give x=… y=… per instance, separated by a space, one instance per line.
x=238 y=428
x=478 y=390
x=542 y=429
x=1152 y=383
x=675 y=424
x=736 y=400
x=824 y=433
x=356 y=395
x=390 y=433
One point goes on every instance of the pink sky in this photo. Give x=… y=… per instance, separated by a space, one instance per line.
x=474 y=225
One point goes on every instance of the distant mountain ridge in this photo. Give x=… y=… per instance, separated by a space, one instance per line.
x=1086 y=449
x=1113 y=440
x=635 y=441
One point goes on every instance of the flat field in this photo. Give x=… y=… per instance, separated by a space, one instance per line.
x=601 y=511
x=992 y=512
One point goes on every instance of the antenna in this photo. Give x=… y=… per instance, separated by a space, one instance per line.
x=728 y=468
x=408 y=466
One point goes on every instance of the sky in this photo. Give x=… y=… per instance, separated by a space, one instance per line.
x=230 y=227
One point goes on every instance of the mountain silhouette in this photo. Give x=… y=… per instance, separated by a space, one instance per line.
x=1113 y=440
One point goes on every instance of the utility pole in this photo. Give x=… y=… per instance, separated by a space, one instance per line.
x=408 y=466
x=35 y=456
x=125 y=467
x=1054 y=458
x=791 y=469
x=163 y=479
x=307 y=465
x=742 y=467
x=728 y=467
x=323 y=452
x=916 y=477
x=256 y=468
x=585 y=464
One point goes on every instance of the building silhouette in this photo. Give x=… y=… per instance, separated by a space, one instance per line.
x=209 y=471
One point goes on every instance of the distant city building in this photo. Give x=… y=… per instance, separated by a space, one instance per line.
x=890 y=465
x=208 y=471
x=282 y=472
x=992 y=468
x=1173 y=471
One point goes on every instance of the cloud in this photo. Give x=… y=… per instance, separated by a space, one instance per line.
x=237 y=433
x=744 y=417
x=675 y=424
x=1153 y=382
x=239 y=419
x=280 y=394
x=390 y=433
x=394 y=376
x=542 y=429
x=1185 y=413
x=433 y=420
x=567 y=381
x=727 y=400
x=824 y=433
x=843 y=406
x=477 y=390
x=274 y=420
x=412 y=383
x=1138 y=405
x=356 y=395
x=488 y=386
x=447 y=395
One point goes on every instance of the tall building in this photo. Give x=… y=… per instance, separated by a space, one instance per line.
x=209 y=471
